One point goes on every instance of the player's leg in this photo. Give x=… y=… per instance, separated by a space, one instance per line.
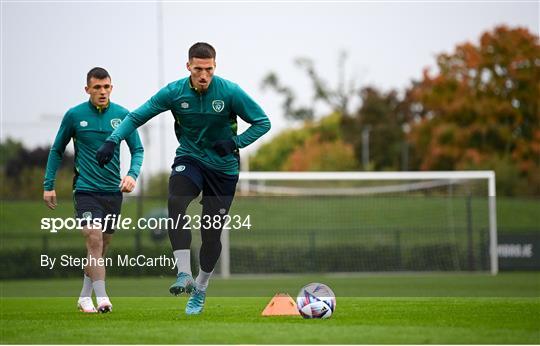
x=85 y=303
x=211 y=241
x=218 y=193
x=103 y=301
x=208 y=257
x=95 y=267
x=182 y=190
x=110 y=205
x=85 y=207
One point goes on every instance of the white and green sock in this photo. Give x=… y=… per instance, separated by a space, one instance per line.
x=99 y=288
x=183 y=260
x=87 y=288
x=202 y=280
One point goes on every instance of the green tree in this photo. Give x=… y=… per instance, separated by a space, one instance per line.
x=480 y=109
x=381 y=119
x=272 y=155
x=9 y=149
x=22 y=171
x=320 y=155
x=318 y=144
x=315 y=146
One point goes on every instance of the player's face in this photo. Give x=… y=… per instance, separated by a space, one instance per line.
x=202 y=71
x=99 y=91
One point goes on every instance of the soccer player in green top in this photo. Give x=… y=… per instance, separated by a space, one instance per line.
x=97 y=192
x=205 y=108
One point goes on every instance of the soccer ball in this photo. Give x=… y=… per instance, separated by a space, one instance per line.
x=316 y=300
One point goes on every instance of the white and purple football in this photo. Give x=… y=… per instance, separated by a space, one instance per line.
x=316 y=300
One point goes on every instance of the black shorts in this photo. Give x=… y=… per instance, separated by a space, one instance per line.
x=97 y=205
x=217 y=188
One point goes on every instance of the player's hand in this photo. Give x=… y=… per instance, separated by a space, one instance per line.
x=105 y=153
x=50 y=199
x=127 y=184
x=224 y=147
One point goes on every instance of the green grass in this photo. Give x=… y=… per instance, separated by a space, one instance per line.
x=514 y=284
x=238 y=321
x=374 y=309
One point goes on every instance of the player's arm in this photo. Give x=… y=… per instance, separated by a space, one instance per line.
x=137 y=153
x=158 y=103
x=63 y=136
x=249 y=111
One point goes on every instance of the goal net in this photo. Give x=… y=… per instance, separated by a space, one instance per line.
x=362 y=222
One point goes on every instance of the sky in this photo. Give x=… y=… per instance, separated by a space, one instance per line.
x=48 y=47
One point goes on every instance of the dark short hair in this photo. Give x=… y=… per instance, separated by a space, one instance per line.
x=97 y=73
x=202 y=50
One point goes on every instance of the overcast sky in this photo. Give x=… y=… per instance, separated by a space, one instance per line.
x=48 y=47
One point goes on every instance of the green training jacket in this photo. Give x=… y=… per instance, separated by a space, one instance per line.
x=89 y=126
x=201 y=119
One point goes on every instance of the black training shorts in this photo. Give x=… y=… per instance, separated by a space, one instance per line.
x=97 y=205
x=217 y=188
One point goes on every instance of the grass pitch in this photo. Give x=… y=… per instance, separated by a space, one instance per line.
x=376 y=309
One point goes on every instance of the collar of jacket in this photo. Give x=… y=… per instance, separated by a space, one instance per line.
x=195 y=90
x=99 y=109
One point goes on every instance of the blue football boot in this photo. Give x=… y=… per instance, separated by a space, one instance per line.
x=195 y=302
x=184 y=283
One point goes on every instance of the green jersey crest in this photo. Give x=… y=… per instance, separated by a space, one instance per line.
x=218 y=105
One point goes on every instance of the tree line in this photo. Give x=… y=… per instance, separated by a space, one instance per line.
x=479 y=109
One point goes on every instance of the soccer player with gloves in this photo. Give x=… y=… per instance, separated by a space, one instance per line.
x=97 y=191
x=205 y=109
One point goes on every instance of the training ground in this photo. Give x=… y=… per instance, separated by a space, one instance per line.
x=371 y=308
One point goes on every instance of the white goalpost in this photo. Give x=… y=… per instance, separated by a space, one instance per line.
x=424 y=186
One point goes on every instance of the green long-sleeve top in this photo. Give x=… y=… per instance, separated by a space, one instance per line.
x=89 y=126
x=201 y=119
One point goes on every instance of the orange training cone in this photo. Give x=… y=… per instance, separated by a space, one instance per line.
x=281 y=305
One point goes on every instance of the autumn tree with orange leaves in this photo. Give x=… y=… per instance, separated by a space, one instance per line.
x=480 y=110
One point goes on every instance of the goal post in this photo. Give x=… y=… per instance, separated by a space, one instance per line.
x=309 y=183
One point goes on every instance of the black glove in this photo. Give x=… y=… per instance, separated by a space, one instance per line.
x=105 y=153
x=224 y=147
